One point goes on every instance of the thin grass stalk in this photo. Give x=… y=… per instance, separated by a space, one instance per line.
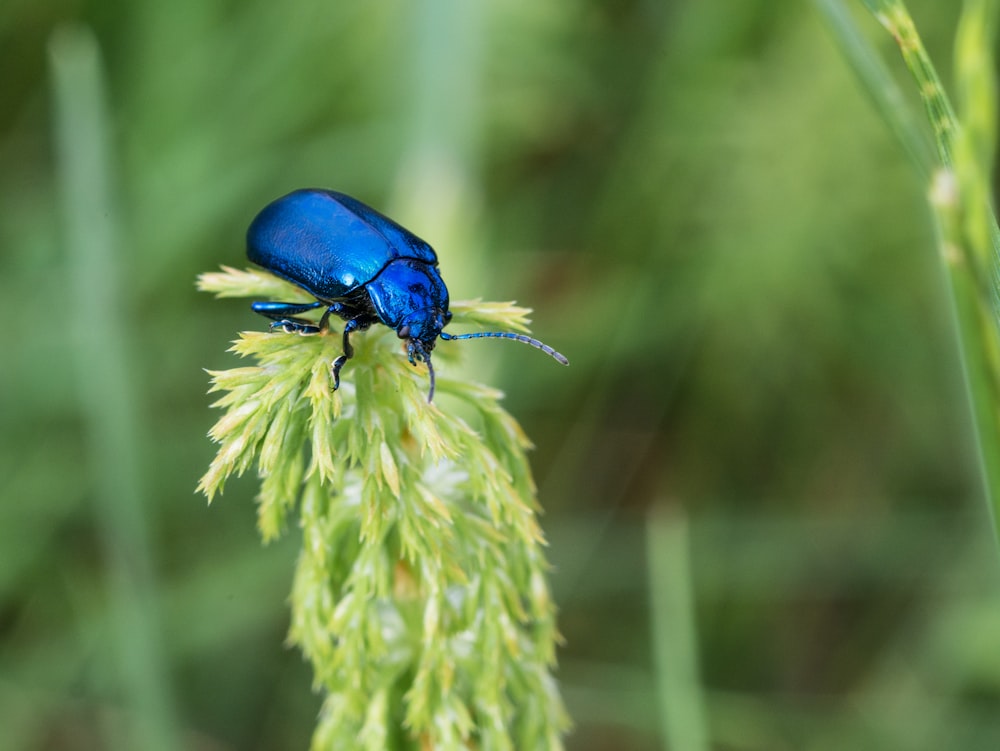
x=879 y=85
x=674 y=631
x=959 y=191
x=107 y=392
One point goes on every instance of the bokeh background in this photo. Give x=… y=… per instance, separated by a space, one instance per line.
x=758 y=474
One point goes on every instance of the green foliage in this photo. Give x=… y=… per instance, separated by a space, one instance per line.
x=705 y=209
x=420 y=594
x=960 y=196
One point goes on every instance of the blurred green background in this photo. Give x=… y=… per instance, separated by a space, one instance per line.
x=710 y=221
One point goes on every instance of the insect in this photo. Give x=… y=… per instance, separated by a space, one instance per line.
x=362 y=267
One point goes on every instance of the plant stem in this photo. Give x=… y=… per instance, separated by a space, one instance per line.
x=674 y=631
x=960 y=196
x=107 y=389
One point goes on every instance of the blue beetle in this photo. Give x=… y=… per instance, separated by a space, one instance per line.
x=360 y=266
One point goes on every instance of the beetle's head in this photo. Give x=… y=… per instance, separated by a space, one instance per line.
x=409 y=297
x=421 y=329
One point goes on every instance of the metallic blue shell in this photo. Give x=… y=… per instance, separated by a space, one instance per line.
x=328 y=243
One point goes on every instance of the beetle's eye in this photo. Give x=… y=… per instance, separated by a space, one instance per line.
x=404 y=333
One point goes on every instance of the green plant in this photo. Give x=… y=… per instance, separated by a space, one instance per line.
x=420 y=595
x=958 y=186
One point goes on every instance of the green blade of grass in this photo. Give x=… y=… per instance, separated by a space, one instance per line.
x=878 y=84
x=969 y=239
x=107 y=390
x=674 y=633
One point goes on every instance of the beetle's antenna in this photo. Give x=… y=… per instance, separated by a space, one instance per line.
x=509 y=335
x=430 y=368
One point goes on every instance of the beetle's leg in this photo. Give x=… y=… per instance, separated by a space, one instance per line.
x=353 y=325
x=335 y=309
x=282 y=316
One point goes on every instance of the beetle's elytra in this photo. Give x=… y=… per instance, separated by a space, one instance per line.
x=359 y=265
